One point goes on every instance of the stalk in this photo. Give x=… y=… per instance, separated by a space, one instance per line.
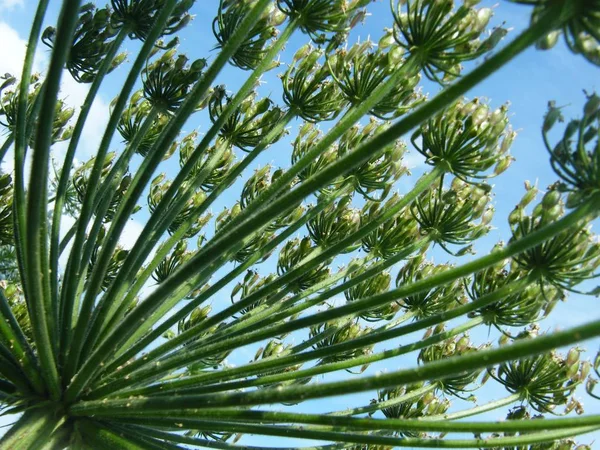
x=61 y=190
x=21 y=350
x=370 y=339
x=490 y=406
x=430 y=372
x=190 y=306
x=34 y=426
x=43 y=317
x=7 y=143
x=224 y=241
x=272 y=209
x=20 y=136
x=321 y=433
x=157 y=223
x=531 y=240
x=112 y=317
x=314 y=259
x=72 y=271
x=378 y=406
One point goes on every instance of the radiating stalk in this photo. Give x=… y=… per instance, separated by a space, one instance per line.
x=63 y=182
x=43 y=317
x=73 y=268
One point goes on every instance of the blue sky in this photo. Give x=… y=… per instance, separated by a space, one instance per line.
x=528 y=83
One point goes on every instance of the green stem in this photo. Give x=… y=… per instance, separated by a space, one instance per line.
x=72 y=274
x=21 y=136
x=571 y=220
x=490 y=406
x=313 y=260
x=167 y=246
x=35 y=427
x=156 y=226
x=97 y=436
x=323 y=433
x=13 y=334
x=183 y=439
x=190 y=306
x=361 y=342
x=151 y=162
x=7 y=143
x=223 y=241
x=43 y=317
x=285 y=361
x=378 y=406
x=433 y=371
x=61 y=190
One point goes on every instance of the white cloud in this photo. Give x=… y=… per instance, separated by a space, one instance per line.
x=12 y=54
x=10 y=4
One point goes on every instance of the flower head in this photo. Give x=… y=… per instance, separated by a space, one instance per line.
x=169 y=79
x=442 y=39
x=374 y=285
x=132 y=120
x=249 y=124
x=92 y=41
x=393 y=236
x=455 y=216
x=576 y=156
x=467 y=139
x=139 y=16
x=308 y=89
x=256 y=43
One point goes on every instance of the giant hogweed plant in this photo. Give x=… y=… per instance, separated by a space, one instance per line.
x=91 y=358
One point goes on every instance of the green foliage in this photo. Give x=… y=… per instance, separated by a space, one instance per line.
x=111 y=342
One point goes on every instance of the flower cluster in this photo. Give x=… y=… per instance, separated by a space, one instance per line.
x=188 y=214
x=81 y=184
x=545 y=381
x=92 y=42
x=338 y=332
x=168 y=80
x=256 y=43
x=251 y=283
x=169 y=265
x=563 y=261
x=132 y=123
x=334 y=223
x=138 y=16
x=358 y=71
x=460 y=384
x=293 y=252
x=318 y=18
x=392 y=236
x=61 y=131
x=467 y=139
x=423 y=406
x=576 y=156
x=580 y=30
x=430 y=301
x=441 y=39
x=449 y=216
x=308 y=88
x=372 y=286
x=214 y=172
x=116 y=261
x=249 y=124
x=374 y=178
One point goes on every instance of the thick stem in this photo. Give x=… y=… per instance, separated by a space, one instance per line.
x=43 y=318
x=430 y=372
x=63 y=182
x=72 y=273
